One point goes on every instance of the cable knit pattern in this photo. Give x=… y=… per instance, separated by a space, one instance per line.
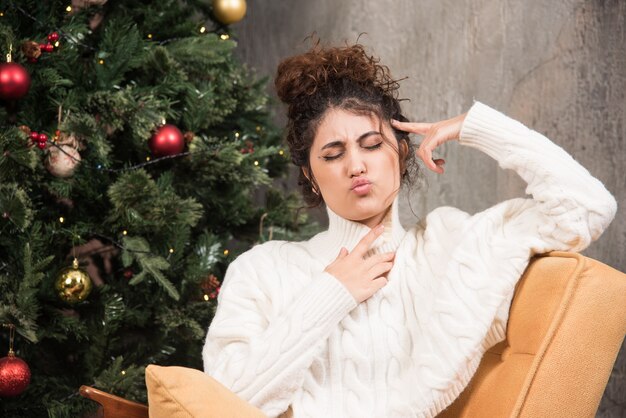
x=291 y=340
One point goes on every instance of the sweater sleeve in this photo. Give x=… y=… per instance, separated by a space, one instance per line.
x=569 y=208
x=260 y=349
x=467 y=266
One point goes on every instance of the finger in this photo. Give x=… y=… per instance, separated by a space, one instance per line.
x=436 y=168
x=342 y=253
x=416 y=127
x=428 y=158
x=426 y=148
x=425 y=154
x=380 y=282
x=380 y=269
x=364 y=245
x=421 y=151
x=440 y=162
x=380 y=258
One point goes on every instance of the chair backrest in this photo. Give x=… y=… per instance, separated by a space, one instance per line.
x=566 y=324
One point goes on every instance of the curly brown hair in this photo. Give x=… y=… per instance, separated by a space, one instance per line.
x=345 y=78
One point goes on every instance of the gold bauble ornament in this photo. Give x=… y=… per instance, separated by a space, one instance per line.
x=73 y=285
x=229 y=11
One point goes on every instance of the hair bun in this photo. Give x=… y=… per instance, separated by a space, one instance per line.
x=302 y=75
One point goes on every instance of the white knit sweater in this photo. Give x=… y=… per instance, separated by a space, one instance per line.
x=291 y=340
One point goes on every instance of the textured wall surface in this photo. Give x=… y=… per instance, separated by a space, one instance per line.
x=558 y=67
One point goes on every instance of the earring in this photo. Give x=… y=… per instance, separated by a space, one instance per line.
x=315 y=191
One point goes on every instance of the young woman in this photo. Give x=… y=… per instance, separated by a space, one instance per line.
x=367 y=319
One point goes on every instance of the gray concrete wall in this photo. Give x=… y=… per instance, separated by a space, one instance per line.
x=558 y=67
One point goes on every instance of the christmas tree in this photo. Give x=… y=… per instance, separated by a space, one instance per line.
x=137 y=158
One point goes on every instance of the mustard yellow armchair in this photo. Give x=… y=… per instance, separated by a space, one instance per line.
x=566 y=325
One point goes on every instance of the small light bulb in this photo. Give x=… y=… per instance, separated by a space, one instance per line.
x=281 y=152
x=171 y=250
x=206 y=297
x=124 y=232
x=226 y=252
x=149 y=36
x=147 y=158
x=68 y=9
x=224 y=36
x=123 y=372
x=256 y=163
x=163 y=121
x=258 y=128
x=61 y=219
x=202 y=29
x=236 y=134
x=1 y=14
x=57 y=43
x=101 y=62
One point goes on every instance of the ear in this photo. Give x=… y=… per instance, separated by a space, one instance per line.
x=404 y=148
x=404 y=152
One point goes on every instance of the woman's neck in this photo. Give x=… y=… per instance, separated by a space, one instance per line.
x=376 y=219
x=346 y=233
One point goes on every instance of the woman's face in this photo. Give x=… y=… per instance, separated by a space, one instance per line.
x=357 y=171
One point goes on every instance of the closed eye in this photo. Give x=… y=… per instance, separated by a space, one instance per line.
x=337 y=156
x=372 y=147
x=331 y=157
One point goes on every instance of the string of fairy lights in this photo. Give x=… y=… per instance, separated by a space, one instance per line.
x=208 y=151
x=219 y=28
x=149 y=159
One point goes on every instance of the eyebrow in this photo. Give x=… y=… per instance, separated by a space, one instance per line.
x=337 y=142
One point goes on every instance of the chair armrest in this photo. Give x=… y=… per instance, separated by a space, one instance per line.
x=114 y=406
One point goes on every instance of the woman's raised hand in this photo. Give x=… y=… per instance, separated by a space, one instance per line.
x=435 y=134
x=362 y=276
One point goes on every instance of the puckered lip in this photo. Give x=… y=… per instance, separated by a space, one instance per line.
x=358 y=182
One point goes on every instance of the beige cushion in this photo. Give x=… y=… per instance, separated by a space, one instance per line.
x=181 y=392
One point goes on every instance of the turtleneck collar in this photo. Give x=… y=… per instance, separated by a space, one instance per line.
x=342 y=232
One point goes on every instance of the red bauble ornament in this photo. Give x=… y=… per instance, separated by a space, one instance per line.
x=168 y=140
x=43 y=138
x=14 y=375
x=249 y=148
x=53 y=37
x=14 y=81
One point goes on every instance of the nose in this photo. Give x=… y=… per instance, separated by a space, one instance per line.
x=357 y=166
